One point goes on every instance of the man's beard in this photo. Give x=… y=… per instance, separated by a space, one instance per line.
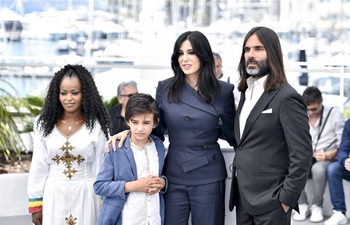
x=261 y=70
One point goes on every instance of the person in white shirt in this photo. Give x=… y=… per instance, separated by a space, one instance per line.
x=326 y=128
x=69 y=135
x=130 y=177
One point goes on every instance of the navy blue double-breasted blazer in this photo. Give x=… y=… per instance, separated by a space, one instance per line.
x=194 y=156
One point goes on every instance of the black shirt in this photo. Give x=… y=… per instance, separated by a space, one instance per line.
x=118 y=121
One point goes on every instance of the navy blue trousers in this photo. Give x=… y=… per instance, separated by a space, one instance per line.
x=205 y=203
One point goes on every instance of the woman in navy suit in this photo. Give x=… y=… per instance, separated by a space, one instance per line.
x=192 y=103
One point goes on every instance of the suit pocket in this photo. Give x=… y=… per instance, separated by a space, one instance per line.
x=195 y=163
x=268 y=114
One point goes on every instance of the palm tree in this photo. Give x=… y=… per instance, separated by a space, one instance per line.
x=10 y=142
x=34 y=105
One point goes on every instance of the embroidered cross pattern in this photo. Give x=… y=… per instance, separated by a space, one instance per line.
x=68 y=159
x=70 y=220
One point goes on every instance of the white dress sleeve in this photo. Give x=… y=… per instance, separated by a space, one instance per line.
x=39 y=170
x=99 y=140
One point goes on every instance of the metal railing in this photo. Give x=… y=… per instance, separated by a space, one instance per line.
x=151 y=70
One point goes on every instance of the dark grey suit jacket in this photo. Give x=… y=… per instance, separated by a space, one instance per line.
x=118 y=121
x=274 y=154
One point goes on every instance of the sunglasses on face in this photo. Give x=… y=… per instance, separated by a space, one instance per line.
x=129 y=95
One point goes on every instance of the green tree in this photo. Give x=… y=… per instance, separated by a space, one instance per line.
x=10 y=142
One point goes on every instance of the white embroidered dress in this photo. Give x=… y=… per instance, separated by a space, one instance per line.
x=62 y=174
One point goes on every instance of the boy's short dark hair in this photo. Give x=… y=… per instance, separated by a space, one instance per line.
x=312 y=95
x=140 y=104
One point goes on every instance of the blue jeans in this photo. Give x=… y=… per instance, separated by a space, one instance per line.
x=336 y=173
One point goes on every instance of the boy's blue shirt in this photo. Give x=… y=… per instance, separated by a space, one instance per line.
x=117 y=168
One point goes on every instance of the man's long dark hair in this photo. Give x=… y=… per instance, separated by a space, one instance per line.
x=92 y=105
x=273 y=48
x=208 y=85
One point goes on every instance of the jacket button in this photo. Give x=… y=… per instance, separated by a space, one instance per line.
x=195 y=131
x=187 y=118
x=213 y=156
x=240 y=148
x=204 y=145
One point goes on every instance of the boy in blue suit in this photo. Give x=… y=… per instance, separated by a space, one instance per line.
x=130 y=178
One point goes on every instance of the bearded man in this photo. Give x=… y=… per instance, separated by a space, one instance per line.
x=274 y=151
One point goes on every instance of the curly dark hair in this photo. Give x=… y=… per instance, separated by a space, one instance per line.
x=92 y=105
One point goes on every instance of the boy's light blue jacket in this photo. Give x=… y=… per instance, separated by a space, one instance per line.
x=117 y=168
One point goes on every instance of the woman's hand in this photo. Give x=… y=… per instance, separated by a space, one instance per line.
x=120 y=136
x=37 y=218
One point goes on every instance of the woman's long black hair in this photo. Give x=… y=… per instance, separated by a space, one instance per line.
x=92 y=105
x=208 y=85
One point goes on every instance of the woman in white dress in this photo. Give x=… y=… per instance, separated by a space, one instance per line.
x=69 y=137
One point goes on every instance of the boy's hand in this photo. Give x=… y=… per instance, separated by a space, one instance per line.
x=156 y=184
x=150 y=185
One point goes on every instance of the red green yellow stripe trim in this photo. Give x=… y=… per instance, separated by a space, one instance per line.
x=35 y=205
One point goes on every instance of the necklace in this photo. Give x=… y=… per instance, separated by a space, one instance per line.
x=70 y=126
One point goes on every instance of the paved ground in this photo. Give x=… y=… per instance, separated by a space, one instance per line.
x=16 y=220
x=26 y=220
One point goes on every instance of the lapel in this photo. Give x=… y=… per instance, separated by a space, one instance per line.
x=190 y=97
x=161 y=153
x=256 y=111
x=130 y=156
